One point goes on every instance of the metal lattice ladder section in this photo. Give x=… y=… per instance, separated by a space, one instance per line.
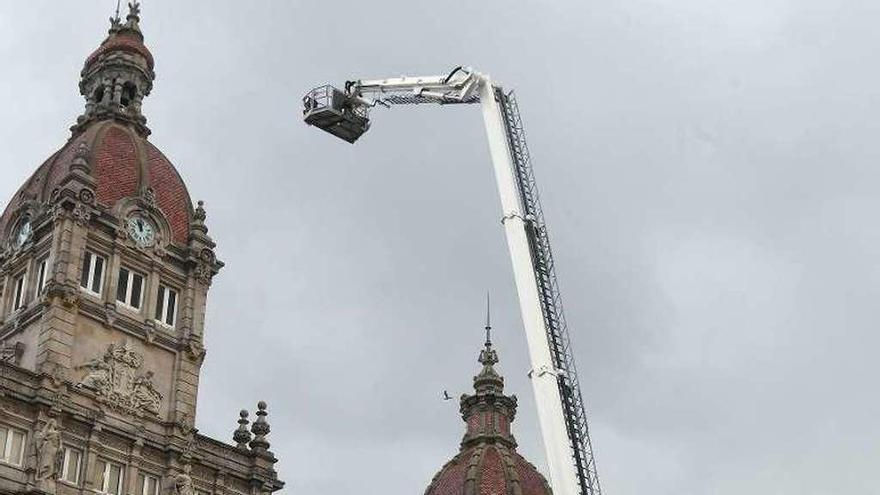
x=551 y=302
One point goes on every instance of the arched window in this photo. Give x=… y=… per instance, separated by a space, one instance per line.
x=129 y=90
x=99 y=94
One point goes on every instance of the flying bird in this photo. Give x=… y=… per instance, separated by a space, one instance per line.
x=446 y=395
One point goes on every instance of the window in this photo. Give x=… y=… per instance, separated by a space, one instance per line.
x=99 y=94
x=147 y=485
x=129 y=91
x=130 y=288
x=71 y=465
x=109 y=477
x=92 y=277
x=11 y=445
x=18 y=286
x=41 y=275
x=166 y=306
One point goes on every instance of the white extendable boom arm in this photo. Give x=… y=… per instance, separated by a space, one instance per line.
x=543 y=372
x=557 y=395
x=460 y=86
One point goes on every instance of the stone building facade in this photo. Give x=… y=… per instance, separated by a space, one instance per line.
x=105 y=268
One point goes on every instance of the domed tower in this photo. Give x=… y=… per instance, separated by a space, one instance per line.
x=105 y=267
x=488 y=463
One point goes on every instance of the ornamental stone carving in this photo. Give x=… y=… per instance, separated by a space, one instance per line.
x=184 y=423
x=206 y=266
x=55 y=373
x=149 y=197
x=183 y=484
x=195 y=350
x=81 y=159
x=203 y=274
x=47 y=446
x=87 y=197
x=116 y=382
x=81 y=215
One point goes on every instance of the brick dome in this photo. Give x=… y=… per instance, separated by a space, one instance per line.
x=487 y=463
x=124 y=165
x=111 y=136
x=489 y=470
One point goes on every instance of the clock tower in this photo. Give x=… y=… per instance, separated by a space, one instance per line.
x=105 y=268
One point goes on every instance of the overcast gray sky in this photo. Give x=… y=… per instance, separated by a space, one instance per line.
x=709 y=174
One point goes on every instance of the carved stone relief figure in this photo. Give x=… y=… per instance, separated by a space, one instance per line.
x=183 y=484
x=145 y=394
x=98 y=377
x=47 y=446
x=115 y=381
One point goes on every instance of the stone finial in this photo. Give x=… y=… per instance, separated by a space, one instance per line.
x=82 y=151
x=242 y=435
x=133 y=17
x=199 y=217
x=488 y=356
x=488 y=380
x=80 y=161
x=261 y=429
x=115 y=24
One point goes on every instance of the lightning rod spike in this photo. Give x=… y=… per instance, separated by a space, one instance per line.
x=488 y=319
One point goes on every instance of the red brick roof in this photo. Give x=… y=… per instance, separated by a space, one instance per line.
x=497 y=469
x=123 y=41
x=116 y=164
x=171 y=193
x=123 y=164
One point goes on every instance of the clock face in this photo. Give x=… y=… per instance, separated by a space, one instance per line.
x=25 y=231
x=141 y=231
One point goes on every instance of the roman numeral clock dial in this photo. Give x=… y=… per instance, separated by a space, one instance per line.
x=141 y=231
x=25 y=231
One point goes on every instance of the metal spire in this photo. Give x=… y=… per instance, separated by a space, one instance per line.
x=488 y=320
x=488 y=356
x=132 y=20
x=115 y=21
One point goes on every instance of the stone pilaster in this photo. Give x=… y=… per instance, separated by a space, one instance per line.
x=90 y=469
x=58 y=328
x=134 y=462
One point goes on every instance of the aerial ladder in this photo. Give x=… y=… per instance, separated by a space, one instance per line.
x=345 y=113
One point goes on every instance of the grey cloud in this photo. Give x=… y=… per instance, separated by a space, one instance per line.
x=709 y=175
